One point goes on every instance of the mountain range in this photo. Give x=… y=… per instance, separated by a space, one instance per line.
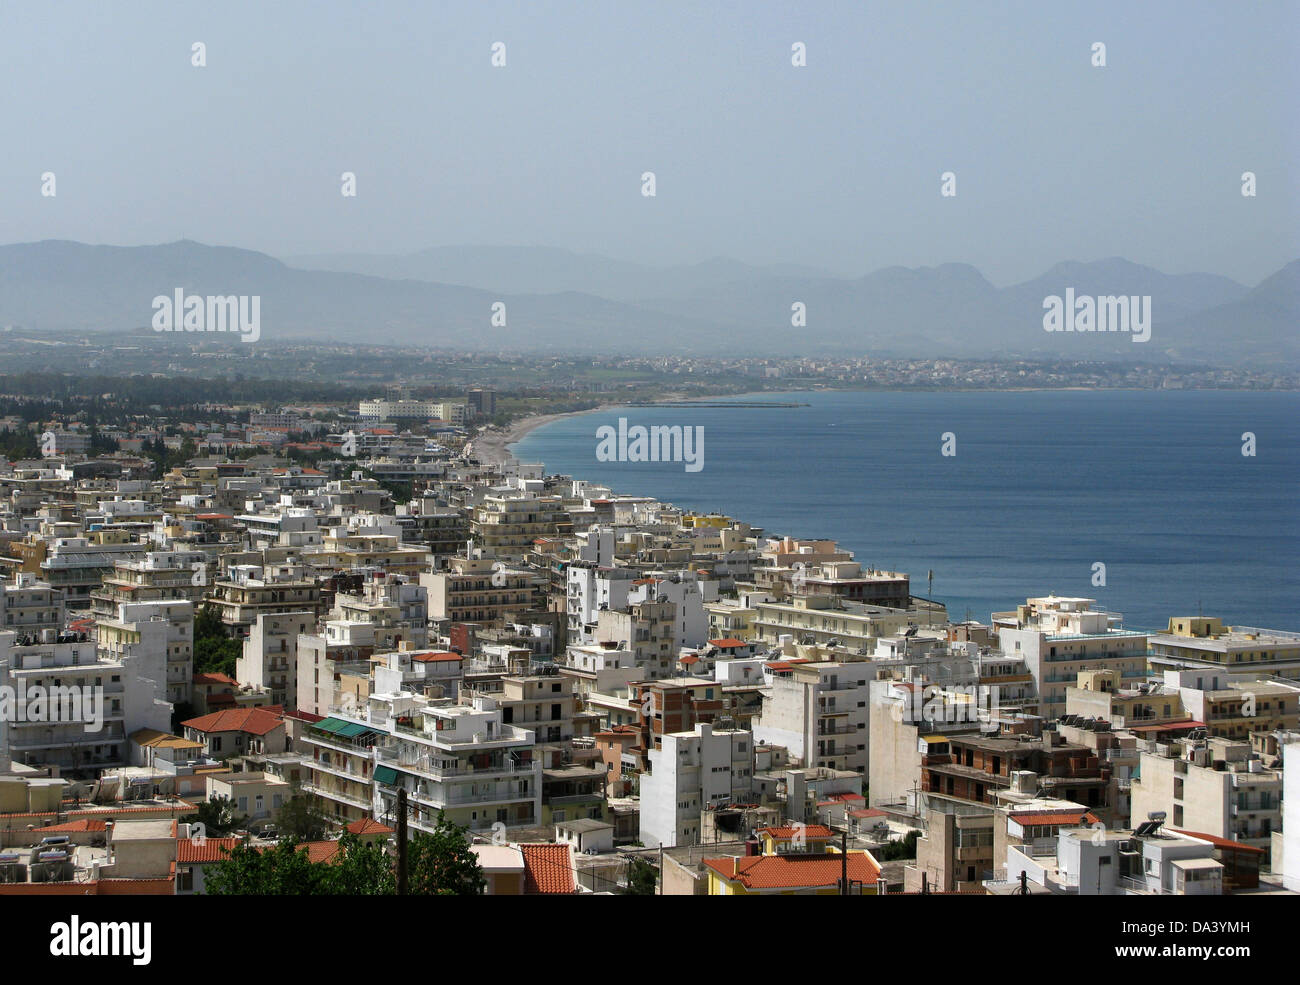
x=561 y=301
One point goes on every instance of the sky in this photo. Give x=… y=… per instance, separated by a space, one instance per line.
x=834 y=164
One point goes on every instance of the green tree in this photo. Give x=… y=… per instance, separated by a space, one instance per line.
x=214 y=650
x=299 y=819
x=642 y=878
x=360 y=869
x=283 y=870
x=218 y=817
x=441 y=863
x=892 y=851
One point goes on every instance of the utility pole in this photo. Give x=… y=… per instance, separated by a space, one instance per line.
x=844 y=862
x=401 y=841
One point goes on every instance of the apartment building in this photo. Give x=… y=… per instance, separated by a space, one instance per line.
x=1059 y=637
x=251 y=591
x=478 y=588
x=819 y=711
x=159 y=576
x=692 y=772
x=270 y=655
x=93 y=702
x=828 y=620
x=154 y=632
x=506 y=523
x=1217 y=786
x=1203 y=644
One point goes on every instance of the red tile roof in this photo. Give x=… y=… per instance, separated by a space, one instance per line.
x=368 y=826
x=214 y=679
x=788 y=831
x=548 y=869
x=795 y=871
x=1217 y=841
x=255 y=721
x=68 y=827
x=728 y=642
x=425 y=658
x=190 y=851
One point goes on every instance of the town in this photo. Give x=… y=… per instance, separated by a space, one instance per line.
x=319 y=634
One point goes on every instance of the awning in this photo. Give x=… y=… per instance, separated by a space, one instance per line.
x=386 y=775
x=332 y=725
x=350 y=730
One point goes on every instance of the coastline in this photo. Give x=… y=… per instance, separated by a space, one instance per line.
x=493 y=446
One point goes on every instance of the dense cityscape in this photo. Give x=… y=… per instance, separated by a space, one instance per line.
x=332 y=626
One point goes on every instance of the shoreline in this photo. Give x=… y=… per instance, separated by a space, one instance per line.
x=493 y=447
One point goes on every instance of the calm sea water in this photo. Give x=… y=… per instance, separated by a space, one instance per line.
x=1043 y=485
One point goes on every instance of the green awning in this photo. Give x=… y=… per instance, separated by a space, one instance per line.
x=332 y=725
x=350 y=730
x=386 y=775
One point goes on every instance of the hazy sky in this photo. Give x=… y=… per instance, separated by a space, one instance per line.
x=836 y=164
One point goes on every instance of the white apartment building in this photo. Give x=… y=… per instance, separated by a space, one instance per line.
x=1217 y=787
x=377 y=411
x=460 y=759
x=270 y=658
x=115 y=698
x=819 y=712
x=151 y=631
x=1057 y=637
x=29 y=606
x=690 y=773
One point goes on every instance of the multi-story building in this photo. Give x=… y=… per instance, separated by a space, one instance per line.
x=1203 y=644
x=478 y=589
x=1059 y=637
x=819 y=711
x=152 y=631
x=692 y=772
x=270 y=655
x=91 y=703
x=1216 y=786
x=159 y=576
x=506 y=523
x=250 y=592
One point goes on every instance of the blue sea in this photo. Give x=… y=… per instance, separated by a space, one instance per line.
x=1043 y=485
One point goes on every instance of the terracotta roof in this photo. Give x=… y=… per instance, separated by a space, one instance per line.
x=368 y=826
x=788 y=831
x=728 y=642
x=1216 y=841
x=68 y=827
x=795 y=871
x=189 y=851
x=842 y=798
x=867 y=812
x=214 y=679
x=425 y=658
x=548 y=869
x=255 y=721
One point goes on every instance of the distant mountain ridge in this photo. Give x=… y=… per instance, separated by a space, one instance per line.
x=563 y=301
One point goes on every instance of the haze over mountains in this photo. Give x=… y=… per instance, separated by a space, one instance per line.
x=563 y=301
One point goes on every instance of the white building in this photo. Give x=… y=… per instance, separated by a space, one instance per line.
x=270 y=657
x=1059 y=637
x=819 y=711
x=689 y=773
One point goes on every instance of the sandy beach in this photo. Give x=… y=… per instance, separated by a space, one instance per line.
x=491 y=446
